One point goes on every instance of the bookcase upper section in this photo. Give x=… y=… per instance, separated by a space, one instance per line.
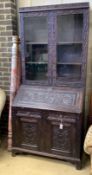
x=54 y=44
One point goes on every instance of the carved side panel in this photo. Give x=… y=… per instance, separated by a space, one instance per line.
x=63 y=134
x=61 y=140
x=29 y=135
x=26 y=130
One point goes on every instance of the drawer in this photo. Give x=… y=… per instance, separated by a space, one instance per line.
x=65 y=118
x=26 y=113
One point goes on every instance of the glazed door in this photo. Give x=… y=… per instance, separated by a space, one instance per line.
x=34 y=46
x=70 y=49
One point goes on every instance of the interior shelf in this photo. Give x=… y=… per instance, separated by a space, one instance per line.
x=37 y=43
x=30 y=62
x=70 y=63
x=69 y=42
x=59 y=43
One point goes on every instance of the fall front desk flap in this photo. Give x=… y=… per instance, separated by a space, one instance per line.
x=50 y=98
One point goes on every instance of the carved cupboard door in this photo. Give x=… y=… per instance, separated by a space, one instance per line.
x=27 y=130
x=62 y=135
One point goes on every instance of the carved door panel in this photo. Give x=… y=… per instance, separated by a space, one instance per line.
x=27 y=129
x=62 y=135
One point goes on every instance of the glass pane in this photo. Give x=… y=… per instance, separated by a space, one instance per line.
x=36 y=62
x=36 y=48
x=69 y=46
x=71 y=53
x=35 y=29
x=70 y=28
x=69 y=71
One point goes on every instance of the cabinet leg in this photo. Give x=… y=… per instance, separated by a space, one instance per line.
x=13 y=153
x=78 y=165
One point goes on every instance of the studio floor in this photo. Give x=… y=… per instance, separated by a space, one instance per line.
x=36 y=165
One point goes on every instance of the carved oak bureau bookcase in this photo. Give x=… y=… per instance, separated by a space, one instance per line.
x=48 y=108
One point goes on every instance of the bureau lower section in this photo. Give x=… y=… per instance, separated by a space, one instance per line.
x=54 y=134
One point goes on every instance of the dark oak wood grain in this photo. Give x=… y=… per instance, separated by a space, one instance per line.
x=48 y=112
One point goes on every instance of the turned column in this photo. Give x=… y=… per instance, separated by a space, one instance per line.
x=14 y=84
